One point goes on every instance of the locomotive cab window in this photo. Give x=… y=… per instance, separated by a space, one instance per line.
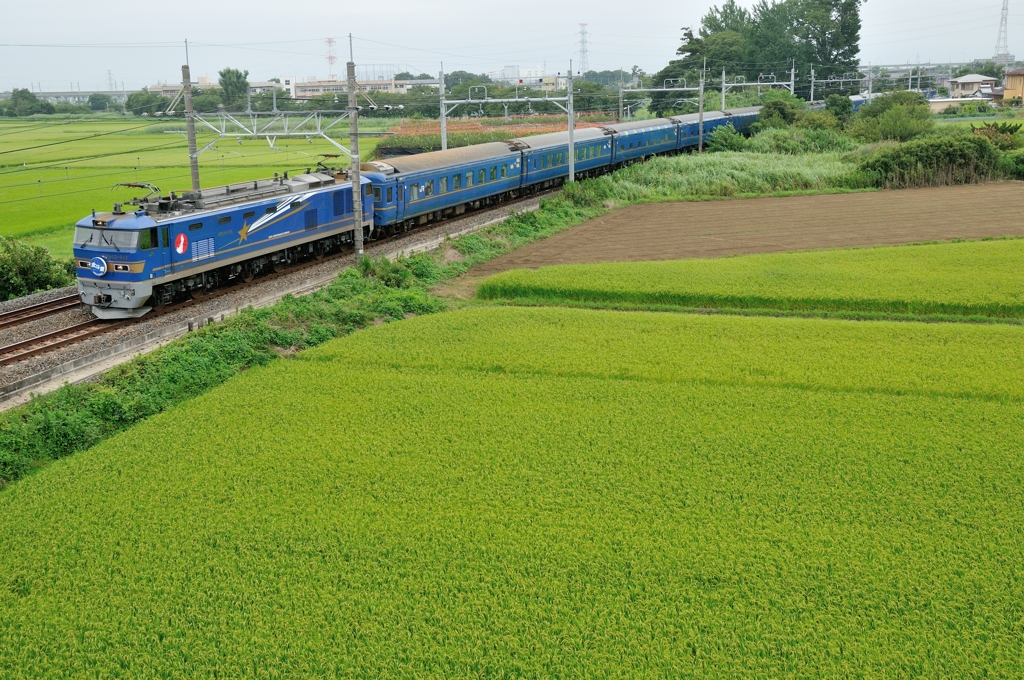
x=164 y=238
x=148 y=239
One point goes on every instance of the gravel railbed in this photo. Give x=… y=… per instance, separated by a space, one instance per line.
x=199 y=310
x=36 y=298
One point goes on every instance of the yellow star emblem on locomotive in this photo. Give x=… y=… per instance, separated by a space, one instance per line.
x=244 y=233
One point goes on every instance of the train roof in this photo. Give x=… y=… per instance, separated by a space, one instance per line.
x=438 y=160
x=641 y=124
x=159 y=208
x=550 y=139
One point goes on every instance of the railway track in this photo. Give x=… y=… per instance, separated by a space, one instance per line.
x=38 y=311
x=48 y=341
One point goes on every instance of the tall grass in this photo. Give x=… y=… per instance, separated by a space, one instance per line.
x=694 y=176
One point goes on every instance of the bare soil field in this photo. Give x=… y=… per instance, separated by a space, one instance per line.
x=674 y=231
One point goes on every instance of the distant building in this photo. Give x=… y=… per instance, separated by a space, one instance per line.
x=972 y=85
x=79 y=97
x=314 y=88
x=1013 y=88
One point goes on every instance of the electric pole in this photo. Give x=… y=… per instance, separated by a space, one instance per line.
x=190 y=125
x=700 y=111
x=353 y=134
x=444 y=113
x=723 y=89
x=572 y=129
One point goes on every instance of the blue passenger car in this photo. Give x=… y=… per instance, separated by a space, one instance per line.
x=131 y=261
x=641 y=138
x=546 y=157
x=412 y=190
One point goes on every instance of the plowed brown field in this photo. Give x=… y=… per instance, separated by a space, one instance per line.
x=673 y=231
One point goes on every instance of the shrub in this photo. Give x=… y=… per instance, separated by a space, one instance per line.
x=935 y=161
x=782 y=109
x=819 y=120
x=799 y=141
x=726 y=138
x=899 y=123
x=840 y=107
x=1002 y=135
x=28 y=269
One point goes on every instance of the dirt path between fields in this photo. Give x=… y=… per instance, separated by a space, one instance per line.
x=674 y=231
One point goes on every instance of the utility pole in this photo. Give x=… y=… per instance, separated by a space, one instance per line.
x=572 y=129
x=444 y=113
x=700 y=111
x=792 y=79
x=353 y=134
x=812 y=84
x=620 y=102
x=190 y=125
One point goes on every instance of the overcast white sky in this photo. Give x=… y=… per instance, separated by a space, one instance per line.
x=58 y=42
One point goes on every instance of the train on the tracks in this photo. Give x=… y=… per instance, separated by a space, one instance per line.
x=156 y=249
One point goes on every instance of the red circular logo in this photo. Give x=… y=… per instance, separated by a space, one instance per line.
x=180 y=244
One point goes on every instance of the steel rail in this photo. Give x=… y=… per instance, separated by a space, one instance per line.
x=38 y=311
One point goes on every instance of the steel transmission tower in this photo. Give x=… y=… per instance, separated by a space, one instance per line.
x=1003 y=55
x=332 y=59
x=584 y=62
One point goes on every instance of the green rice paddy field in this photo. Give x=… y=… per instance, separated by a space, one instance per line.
x=52 y=173
x=543 y=492
x=981 y=278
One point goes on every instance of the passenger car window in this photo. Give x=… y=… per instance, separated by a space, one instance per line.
x=443 y=185
x=414 y=192
x=494 y=172
x=376 y=194
x=389 y=194
x=481 y=177
x=429 y=187
x=469 y=179
x=504 y=170
x=457 y=181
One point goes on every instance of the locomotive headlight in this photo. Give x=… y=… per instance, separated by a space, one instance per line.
x=98 y=266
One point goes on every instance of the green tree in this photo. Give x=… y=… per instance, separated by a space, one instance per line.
x=23 y=102
x=234 y=86
x=146 y=102
x=405 y=75
x=829 y=33
x=839 y=106
x=99 y=102
x=988 y=68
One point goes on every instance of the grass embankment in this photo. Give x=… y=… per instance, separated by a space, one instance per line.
x=471 y=494
x=981 y=279
x=53 y=173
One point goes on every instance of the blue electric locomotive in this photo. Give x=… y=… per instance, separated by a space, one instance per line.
x=132 y=261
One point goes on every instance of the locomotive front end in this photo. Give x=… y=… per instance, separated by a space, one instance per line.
x=115 y=258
